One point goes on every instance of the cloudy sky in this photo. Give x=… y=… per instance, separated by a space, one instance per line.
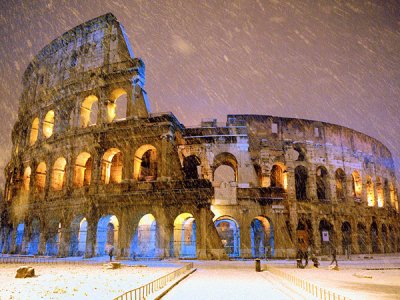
x=334 y=61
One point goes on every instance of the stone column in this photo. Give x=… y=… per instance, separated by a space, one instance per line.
x=91 y=239
x=42 y=240
x=63 y=249
x=312 y=184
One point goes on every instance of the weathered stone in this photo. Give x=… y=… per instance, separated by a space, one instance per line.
x=25 y=272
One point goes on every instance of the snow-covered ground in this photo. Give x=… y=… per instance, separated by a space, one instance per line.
x=79 y=281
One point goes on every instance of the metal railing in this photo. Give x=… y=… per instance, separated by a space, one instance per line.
x=45 y=260
x=311 y=288
x=143 y=291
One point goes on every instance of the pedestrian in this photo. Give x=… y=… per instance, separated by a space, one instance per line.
x=305 y=255
x=299 y=258
x=334 y=256
x=110 y=253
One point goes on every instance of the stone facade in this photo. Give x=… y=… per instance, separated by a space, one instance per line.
x=92 y=169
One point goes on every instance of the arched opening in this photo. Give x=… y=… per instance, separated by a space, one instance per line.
x=385 y=239
x=107 y=234
x=78 y=234
x=185 y=236
x=33 y=245
x=225 y=168
x=19 y=238
x=145 y=163
x=27 y=178
x=262 y=238
x=340 y=180
x=379 y=192
x=301 y=153
x=361 y=238
x=346 y=238
x=191 y=167
x=374 y=237
x=89 y=111
x=53 y=238
x=392 y=195
x=58 y=175
x=144 y=243
x=111 y=166
x=300 y=176
x=322 y=181
x=117 y=106
x=277 y=177
x=83 y=170
x=34 y=131
x=228 y=231
x=6 y=236
x=327 y=236
x=40 y=177
x=304 y=235
x=48 y=124
x=370 y=192
x=356 y=184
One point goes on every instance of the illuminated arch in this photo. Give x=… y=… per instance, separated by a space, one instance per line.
x=370 y=191
x=78 y=235
x=107 y=234
x=221 y=171
x=262 y=237
x=27 y=178
x=89 y=109
x=19 y=238
x=278 y=176
x=33 y=244
x=185 y=236
x=34 y=131
x=58 y=177
x=145 y=163
x=379 y=192
x=111 y=166
x=83 y=170
x=145 y=239
x=48 y=124
x=40 y=177
x=117 y=106
x=356 y=184
x=392 y=195
x=229 y=232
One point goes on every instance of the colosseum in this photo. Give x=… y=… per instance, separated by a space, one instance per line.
x=92 y=168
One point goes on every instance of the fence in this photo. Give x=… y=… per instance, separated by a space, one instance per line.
x=143 y=291
x=44 y=260
x=311 y=288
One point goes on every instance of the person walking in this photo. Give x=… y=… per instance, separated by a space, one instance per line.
x=333 y=252
x=110 y=253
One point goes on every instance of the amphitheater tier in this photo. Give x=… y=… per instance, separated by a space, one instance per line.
x=93 y=169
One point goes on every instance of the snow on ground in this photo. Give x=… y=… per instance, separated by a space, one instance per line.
x=79 y=281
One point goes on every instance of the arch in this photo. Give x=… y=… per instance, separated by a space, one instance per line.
x=277 y=177
x=379 y=192
x=145 y=240
x=107 y=234
x=374 y=237
x=184 y=236
x=145 y=163
x=327 y=236
x=262 y=237
x=78 y=235
x=53 y=238
x=370 y=191
x=58 y=177
x=301 y=176
x=301 y=151
x=392 y=195
x=89 y=111
x=340 y=182
x=385 y=240
x=225 y=159
x=117 y=106
x=33 y=245
x=40 y=177
x=27 y=178
x=356 y=184
x=111 y=166
x=19 y=238
x=34 y=131
x=229 y=232
x=304 y=234
x=191 y=167
x=83 y=170
x=48 y=124
x=361 y=238
x=322 y=181
x=346 y=238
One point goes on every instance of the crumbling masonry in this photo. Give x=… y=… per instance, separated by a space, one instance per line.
x=92 y=169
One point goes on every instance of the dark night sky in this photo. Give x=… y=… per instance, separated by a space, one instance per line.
x=334 y=61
